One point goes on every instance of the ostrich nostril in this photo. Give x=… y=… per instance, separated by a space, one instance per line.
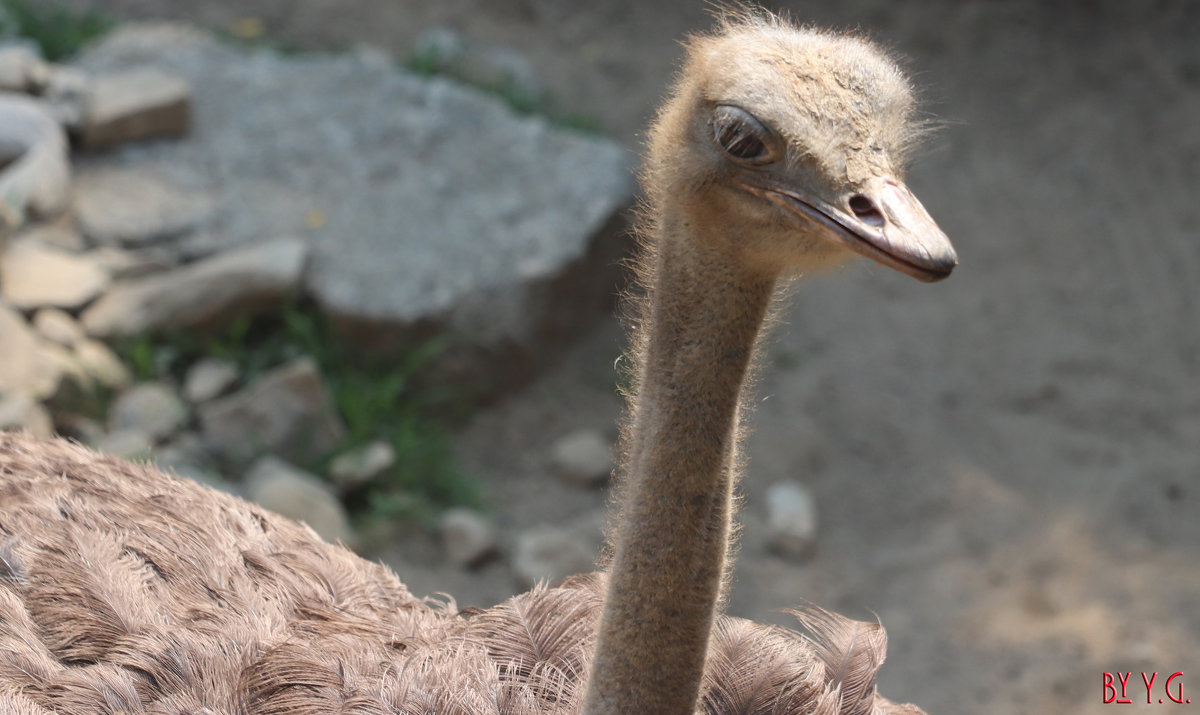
x=866 y=211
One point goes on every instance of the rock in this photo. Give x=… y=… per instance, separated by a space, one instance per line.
x=359 y=466
x=150 y=407
x=202 y=295
x=185 y=456
x=126 y=207
x=58 y=327
x=286 y=490
x=791 y=519
x=548 y=553
x=144 y=103
x=102 y=365
x=209 y=378
x=121 y=263
x=24 y=367
x=19 y=411
x=66 y=91
x=36 y=276
x=34 y=173
x=21 y=69
x=395 y=256
x=126 y=444
x=80 y=428
x=286 y=411
x=59 y=232
x=467 y=536
x=583 y=457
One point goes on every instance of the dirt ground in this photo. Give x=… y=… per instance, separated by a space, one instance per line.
x=1007 y=464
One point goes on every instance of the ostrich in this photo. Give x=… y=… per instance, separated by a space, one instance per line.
x=123 y=589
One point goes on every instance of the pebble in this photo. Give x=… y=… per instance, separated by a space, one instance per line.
x=791 y=519
x=151 y=407
x=296 y=494
x=209 y=378
x=468 y=537
x=583 y=457
x=550 y=554
x=359 y=466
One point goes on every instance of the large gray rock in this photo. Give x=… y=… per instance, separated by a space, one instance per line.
x=431 y=206
x=286 y=411
x=284 y=489
x=200 y=295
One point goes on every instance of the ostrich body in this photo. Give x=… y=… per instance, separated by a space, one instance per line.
x=126 y=590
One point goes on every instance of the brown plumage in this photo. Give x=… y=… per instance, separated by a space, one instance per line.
x=126 y=590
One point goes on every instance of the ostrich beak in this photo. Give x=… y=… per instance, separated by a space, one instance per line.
x=883 y=222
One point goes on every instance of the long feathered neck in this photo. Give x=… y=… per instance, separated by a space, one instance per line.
x=670 y=540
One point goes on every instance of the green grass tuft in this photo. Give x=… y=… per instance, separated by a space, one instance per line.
x=382 y=401
x=58 y=30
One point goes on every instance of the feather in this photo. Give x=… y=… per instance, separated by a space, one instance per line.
x=851 y=651
x=544 y=628
x=754 y=669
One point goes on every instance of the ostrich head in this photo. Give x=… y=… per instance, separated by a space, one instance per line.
x=789 y=149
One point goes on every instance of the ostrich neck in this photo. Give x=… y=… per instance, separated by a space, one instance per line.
x=671 y=537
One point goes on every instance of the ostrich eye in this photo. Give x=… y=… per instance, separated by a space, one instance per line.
x=741 y=135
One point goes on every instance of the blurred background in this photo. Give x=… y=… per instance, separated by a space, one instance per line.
x=1004 y=467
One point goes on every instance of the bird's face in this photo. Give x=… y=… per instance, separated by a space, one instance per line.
x=800 y=144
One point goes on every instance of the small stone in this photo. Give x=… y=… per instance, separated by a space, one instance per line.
x=35 y=174
x=67 y=91
x=791 y=519
x=19 y=411
x=126 y=207
x=23 y=364
x=58 y=327
x=59 y=232
x=80 y=428
x=286 y=411
x=126 y=443
x=467 y=536
x=35 y=276
x=102 y=365
x=359 y=466
x=548 y=553
x=121 y=263
x=201 y=295
x=21 y=69
x=583 y=457
x=150 y=407
x=136 y=104
x=286 y=490
x=209 y=378
x=185 y=456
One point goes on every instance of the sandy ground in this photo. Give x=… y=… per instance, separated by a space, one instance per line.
x=1007 y=464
